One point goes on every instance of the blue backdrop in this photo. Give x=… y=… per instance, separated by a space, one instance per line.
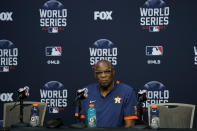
x=52 y=45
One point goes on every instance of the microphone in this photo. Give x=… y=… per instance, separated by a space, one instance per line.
x=23 y=92
x=26 y=90
x=141 y=96
x=81 y=94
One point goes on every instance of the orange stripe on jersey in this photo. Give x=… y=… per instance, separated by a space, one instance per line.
x=130 y=117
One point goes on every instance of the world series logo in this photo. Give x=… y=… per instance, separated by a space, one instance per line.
x=154 y=15
x=8 y=56
x=103 y=49
x=156 y=93
x=55 y=95
x=53 y=16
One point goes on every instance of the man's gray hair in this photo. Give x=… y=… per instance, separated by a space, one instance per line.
x=103 y=61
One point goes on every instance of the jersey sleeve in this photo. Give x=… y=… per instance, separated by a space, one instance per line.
x=130 y=110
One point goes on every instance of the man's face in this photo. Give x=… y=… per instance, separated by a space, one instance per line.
x=104 y=74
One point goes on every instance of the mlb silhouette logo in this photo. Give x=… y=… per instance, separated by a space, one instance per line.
x=154 y=29
x=53 y=110
x=154 y=50
x=53 y=51
x=53 y=30
x=4 y=68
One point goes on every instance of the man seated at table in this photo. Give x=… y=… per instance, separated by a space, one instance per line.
x=115 y=102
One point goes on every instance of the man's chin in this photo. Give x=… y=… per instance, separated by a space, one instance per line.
x=104 y=85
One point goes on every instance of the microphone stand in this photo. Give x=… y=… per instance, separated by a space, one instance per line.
x=140 y=110
x=140 y=124
x=21 y=123
x=80 y=123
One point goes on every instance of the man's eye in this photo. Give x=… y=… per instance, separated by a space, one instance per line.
x=99 y=73
x=107 y=71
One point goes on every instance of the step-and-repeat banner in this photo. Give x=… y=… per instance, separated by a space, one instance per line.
x=52 y=45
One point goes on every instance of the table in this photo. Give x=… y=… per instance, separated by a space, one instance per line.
x=90 y=129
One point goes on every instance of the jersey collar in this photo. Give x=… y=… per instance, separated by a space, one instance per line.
x=112 y=90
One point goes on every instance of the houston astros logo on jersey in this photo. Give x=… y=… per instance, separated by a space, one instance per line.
x=117 y=99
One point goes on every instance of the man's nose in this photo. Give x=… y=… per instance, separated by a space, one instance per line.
x=103 y=74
